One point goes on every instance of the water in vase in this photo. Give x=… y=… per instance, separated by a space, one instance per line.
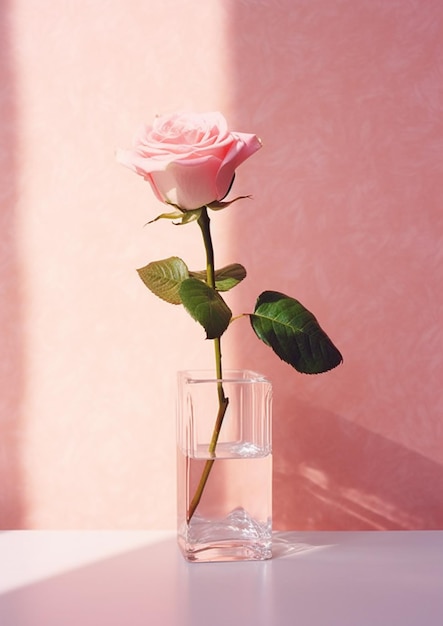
x=233 y=519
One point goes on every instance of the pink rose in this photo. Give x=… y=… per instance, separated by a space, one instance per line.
x=189 y=159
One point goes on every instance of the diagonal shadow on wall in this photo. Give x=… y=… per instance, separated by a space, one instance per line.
x=332 y=473
x=310 y=79
x=11 y=373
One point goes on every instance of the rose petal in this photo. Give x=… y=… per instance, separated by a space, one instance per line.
x=239 y=151
x=189 y=159
x=189 y=184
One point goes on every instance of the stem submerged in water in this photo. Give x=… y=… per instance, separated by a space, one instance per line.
x=223 y=401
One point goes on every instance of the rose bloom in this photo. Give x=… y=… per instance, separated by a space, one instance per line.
x=189 y=159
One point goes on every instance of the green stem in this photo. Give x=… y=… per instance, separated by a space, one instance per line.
x=223 y=401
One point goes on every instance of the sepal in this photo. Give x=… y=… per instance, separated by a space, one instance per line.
x=183 y=216
x=217 y=205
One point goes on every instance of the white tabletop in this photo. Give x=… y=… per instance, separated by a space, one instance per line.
x=140 y=579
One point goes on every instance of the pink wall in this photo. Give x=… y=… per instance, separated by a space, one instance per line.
x=346 y=216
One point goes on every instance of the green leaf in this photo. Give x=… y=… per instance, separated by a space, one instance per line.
x=293 y=333
x=225 y=278
x=164 y=278
x=206 y=306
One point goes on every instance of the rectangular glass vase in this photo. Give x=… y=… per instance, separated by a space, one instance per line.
x=224 y=481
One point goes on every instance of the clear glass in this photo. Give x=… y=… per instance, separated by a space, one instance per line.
x=233 y=518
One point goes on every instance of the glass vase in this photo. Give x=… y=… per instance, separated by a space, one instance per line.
x=224 y=477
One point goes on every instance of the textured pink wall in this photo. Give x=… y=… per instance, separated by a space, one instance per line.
x=347 y=215
x=348 y=99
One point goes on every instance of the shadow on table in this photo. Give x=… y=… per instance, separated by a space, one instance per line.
x=121 y=589
x=146 y=586
x=153 y=585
